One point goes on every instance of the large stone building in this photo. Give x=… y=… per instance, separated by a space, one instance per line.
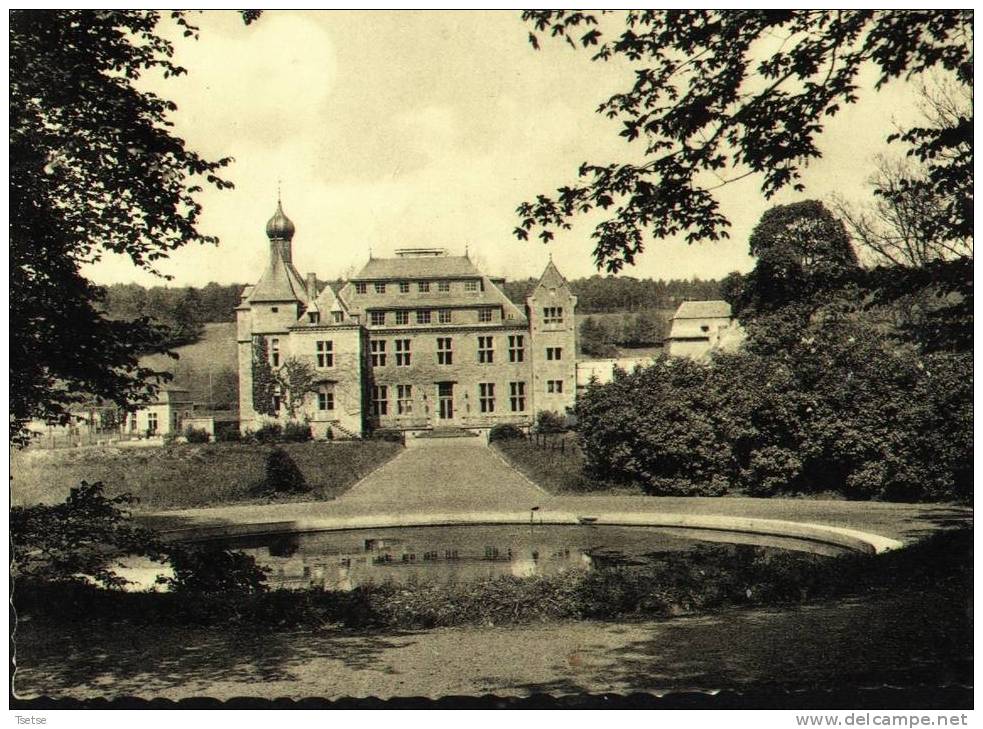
x=415 y=342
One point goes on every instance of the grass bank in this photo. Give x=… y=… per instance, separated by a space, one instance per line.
x=184 y=476
x=556 y=463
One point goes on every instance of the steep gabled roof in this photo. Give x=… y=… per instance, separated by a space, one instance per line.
x=703 y=310
x=551 y=280
x=417 y=267
x=279 y=282
x=325 y=303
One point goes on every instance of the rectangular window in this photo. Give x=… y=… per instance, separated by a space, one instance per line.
x=517 y=396
x=339 y=316
x=554 y=386
x=445 y=354
x=380 y=400
x=275 y=352
x=325 y=401
x=314 y=317
x=553 y=315
x=444 y=286
x=152 y=422
x=402 y=317
x=276 y=403
x=380 y=287
x=470 y=286
x=554 y=353
x=484 y=315
x=444 y=316
x=486 y=350
x=517 y=351
x=359 y=287
x=423 y=316
x=404 y=399
x=325 y=354
x=404 y=287
x=423 y=286
x=486 y=396
x=403 y=352
x=378 y=318
x=378 y=347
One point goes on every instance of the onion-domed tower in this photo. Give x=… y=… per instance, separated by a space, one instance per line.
x=280 y=230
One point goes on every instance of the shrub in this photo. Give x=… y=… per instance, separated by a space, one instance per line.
x=389 y=434
x=205 y=569
x=268 y=433
x=505 y=432
x=282 y=474
x=196 y=435
x=77 y=539
x=297 y=432
x=227 y=432
x=550 y=421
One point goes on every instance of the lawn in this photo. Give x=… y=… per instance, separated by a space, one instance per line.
x=188 y=475
x=555 y=462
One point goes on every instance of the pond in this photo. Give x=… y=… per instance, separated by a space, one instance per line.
x=342 y=560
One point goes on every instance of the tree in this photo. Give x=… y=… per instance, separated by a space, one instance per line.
x=905 y=224
x=710 y=106
x=94 y=167
x=595 y=339
x=296 y=379
x=802 y=251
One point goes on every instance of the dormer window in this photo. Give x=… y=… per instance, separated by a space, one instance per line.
x=339 y=316
x=380 y=288
x=314 y=317
x=470 y=286
x=378 y=318
x=360 y=287
x=423 y=287
x=444 y=286
x=404 y=287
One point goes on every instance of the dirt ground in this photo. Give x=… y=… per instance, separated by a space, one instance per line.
x=897 y=640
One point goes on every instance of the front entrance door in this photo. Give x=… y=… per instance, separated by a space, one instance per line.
x=445 y=396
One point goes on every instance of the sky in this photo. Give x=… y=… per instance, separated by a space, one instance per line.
x=396 y=129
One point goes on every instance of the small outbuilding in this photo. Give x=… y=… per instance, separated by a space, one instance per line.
x=164 y=416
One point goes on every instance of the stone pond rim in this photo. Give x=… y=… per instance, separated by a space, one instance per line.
x=852 y=539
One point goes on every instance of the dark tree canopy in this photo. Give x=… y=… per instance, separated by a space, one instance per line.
x=720 y=95
x=803 y=251
x=94 y=167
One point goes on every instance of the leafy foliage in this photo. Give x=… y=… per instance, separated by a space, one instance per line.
x=282 y=474
x=813 y=405
x=505 y=431
x=803 y=252
x=297 y=432
x=210 y=570
x=196 y=435
x=296 y=380
x=550 y=421
x=709 y=108
x=94 y=167
x=77 y=540
x=268 y=433
x=264 y=379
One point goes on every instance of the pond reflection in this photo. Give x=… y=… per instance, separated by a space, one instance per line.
x=344 y=560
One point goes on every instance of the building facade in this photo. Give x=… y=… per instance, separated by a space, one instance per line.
x=701 y=327
x=417 y=341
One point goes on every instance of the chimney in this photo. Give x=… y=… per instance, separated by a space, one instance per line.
x=311 y=286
